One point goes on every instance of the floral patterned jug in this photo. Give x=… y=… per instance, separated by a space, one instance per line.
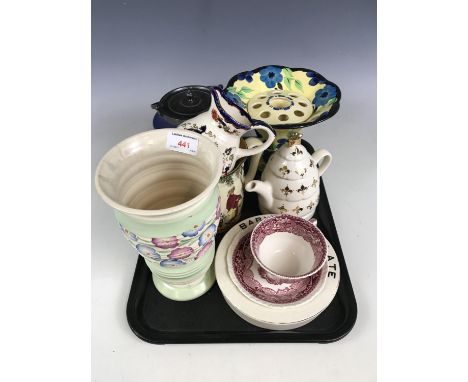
x=224 y=123
x=291 y=180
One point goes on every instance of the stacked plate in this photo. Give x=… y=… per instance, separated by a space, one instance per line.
x=264 y=301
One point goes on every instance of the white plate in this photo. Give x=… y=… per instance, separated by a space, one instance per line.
x=229 y=257
x=275 y=318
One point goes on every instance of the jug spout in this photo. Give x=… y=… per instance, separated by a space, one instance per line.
x=264 y=189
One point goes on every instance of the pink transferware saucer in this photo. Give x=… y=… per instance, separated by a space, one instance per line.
x=254 y=282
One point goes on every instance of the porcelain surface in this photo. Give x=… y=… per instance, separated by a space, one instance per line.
x=272 y=317
x=321 y=93
x=166 y=202
x=280 y=106
x=224 y=123
x=290 y=182
x=324 y=96
x=231 y=187
x=256 y=284
x=288 y=247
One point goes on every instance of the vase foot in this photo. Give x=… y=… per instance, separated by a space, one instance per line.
x=189 y=291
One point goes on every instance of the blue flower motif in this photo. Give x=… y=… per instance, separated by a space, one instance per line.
x=234 y=98
x=194 y=231
x=208 y=235
x=313 y=78
x=281 y=142
x=245 y=76
x=147 y=251
x=271 y=75
x=324 y=95
x=172 y=263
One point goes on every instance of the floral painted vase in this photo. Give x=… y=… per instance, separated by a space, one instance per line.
x=167 y=203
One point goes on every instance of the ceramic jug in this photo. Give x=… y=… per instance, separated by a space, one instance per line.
x=231 y=187
x=166 y=200
x=290 y=183
x=225 y=123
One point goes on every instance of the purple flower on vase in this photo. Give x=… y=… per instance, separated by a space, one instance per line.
x=271 y=75
x=171 y=263
x=194 y=232
x=180 y=253
x=208 y=235
x=147 y=251
x=129 y=235
x=204 y=249
x=165 y=242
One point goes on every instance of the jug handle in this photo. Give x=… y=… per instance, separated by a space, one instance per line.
x=325 y=156
x=257 y=125
x=252 y=142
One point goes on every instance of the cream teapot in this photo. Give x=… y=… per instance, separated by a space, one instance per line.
x=290 y=182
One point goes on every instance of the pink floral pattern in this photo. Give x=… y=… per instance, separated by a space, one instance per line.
x=189 y=245
x=166 y=242
x=297 y=226
x=244 y=266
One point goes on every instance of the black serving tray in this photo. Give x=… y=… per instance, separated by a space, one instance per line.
x=208 y=319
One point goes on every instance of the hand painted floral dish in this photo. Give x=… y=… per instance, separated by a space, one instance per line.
x=286 y=98
x=256 y=284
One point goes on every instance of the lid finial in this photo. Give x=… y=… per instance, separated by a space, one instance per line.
x=294 y=138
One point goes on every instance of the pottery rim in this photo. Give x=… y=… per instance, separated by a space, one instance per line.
x=296 y=219
x=162 y=133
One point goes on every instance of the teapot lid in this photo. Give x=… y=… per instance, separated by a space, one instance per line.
x=185 y=102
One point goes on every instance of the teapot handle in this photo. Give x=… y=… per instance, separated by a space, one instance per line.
x=324 y=156
x=257 y=125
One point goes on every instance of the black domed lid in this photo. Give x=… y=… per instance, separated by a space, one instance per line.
x=184 y=102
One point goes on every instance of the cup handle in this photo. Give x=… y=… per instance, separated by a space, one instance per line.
x=257 y=125
x=324 y=156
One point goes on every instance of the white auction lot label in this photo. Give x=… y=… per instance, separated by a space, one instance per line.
x=182 y=143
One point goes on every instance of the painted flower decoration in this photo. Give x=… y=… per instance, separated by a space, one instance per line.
x=204 y=249
x=166 y=242
x=170 y=263
x=129 y=235
x=281 y=142
x=313 y=78
x=208 y=235
x=180 y=253
x=194 y=232
x=324 y=95
x=215 y=115
x=147 y=251
x=271 y=75
x=234 y=98
x=245 y=76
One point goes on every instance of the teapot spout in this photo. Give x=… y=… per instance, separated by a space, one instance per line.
x=262 y=188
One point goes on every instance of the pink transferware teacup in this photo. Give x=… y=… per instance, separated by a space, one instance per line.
x=288 y=247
